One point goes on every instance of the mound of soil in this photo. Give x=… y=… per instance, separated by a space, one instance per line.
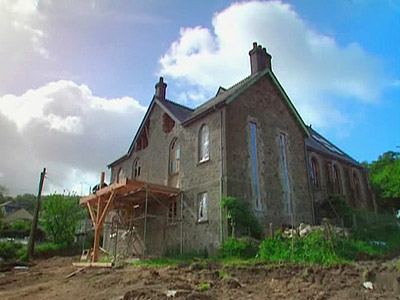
x=47 y=279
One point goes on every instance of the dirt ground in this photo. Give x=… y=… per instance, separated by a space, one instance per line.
x=47 y=280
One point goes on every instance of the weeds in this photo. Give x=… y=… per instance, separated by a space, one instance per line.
x=203 y=286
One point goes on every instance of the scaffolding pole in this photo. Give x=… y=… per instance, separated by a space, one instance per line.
x=181 y=204
x=145 y=222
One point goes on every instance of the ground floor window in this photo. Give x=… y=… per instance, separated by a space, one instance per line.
x=202 y=200
x=172 y=212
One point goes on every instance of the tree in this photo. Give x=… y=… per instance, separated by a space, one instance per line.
x=241 y=219
x=26 y=201
x=384 y=174
x=60 y=217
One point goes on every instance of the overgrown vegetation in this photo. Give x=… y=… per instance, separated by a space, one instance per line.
x=10 y=250
x=60 y=217
x=384 y=174
x=241 y=220
x=238 y=248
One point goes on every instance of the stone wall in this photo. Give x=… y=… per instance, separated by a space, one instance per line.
x=263 y=104
x=193 y=178
x=361 y=200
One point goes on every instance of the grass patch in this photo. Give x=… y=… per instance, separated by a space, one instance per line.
x=314 y=249
x=203 y=286
x=10 y=250
x=238 y=248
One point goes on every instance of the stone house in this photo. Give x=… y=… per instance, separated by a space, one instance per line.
x=249 y=142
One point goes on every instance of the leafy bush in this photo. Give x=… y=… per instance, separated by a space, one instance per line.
x=378 y=228
x=241 y=218
x=9 y=250
x=238 y=248
x=314 y=248
x=60 y=217
x=21 y=225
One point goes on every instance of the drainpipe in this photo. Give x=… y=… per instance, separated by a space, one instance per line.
x=221 y=189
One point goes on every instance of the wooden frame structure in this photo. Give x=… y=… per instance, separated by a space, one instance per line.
x=117 y=195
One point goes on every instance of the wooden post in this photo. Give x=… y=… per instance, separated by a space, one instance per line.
x=97 y=231
x=271 y=230
x=32 y=235
x=98 y=226
x=145 y=223
x=102 y=210
x=181 y=204
x=102 y=178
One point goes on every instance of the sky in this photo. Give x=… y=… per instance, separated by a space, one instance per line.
x=76 y=77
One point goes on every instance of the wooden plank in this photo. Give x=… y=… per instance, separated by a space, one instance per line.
x=91 y=213
x=74 y=273
x=92 y=264
x=106 y=208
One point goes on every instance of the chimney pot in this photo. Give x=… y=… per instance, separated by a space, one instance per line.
x=259 y=59
x=161 y=88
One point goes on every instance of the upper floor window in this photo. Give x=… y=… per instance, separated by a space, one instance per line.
x=255 y=180
x=136 y=168
x=174 y=157
x=356 y=184
x=204 y=142
x=337 y=179
x=315 y=177
x=121 y=175
x=287 y=199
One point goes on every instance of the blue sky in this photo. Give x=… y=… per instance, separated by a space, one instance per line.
x=72 y=67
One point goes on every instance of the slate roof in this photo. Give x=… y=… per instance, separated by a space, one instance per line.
x=185 y=115
x=317 y=142
x=180 y=111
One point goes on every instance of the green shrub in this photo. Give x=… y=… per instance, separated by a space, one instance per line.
x=378 y=228
x=21 y=225
x=60 y=217
x=9 y=250
x=315 y=249
x=238 y=248
x=241 y=217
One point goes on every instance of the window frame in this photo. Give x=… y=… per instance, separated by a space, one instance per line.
x=202 y=202
x=337 y=179
x=254 y=165
x=315 y=173
x=202 y=158
x=285 y=174
x=172 y=213
x=136 y=168
x=120 y=172
x=174 y=157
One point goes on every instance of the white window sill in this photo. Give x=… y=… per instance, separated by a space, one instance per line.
x=203 y=161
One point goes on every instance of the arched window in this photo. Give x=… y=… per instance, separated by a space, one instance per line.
x=204 y=142
x=136 y=168
x=174 y=157
x=336 y=179
x=356 y=185
x=120 y=175
x=315 y=178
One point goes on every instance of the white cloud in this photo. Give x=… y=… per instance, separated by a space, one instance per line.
x=64 y=127
x=313 y=68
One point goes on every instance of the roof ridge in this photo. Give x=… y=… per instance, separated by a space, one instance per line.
x=331 y=144
x=226 y=91
x=180 y=105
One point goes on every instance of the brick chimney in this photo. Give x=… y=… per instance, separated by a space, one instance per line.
x=259 y=59
x=161 y=88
